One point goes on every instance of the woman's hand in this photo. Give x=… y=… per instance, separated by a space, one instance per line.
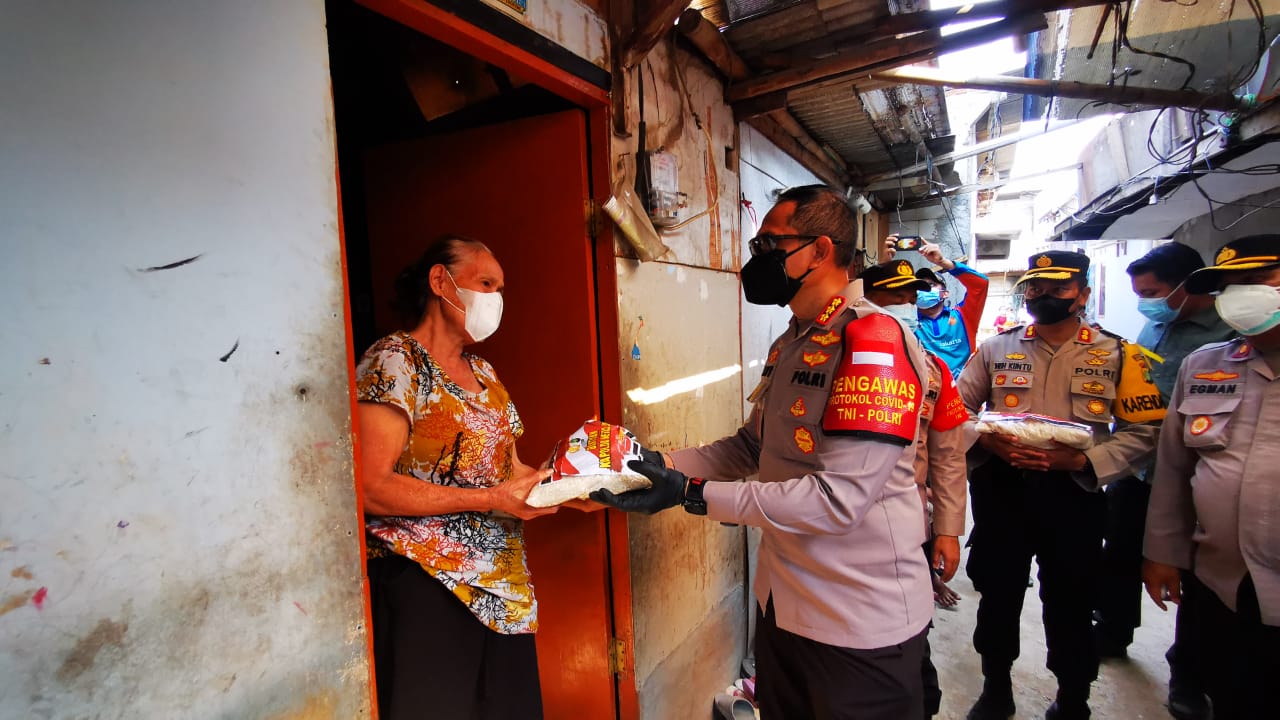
x=509 y=496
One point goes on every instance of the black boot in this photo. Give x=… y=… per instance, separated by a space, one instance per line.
x=1187 y=703
x=1072 y=703
x=996 y=700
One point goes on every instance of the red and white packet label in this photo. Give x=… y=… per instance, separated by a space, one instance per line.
x=594 y=457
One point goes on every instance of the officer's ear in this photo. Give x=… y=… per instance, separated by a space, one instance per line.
x=822 y=249
x=1084 y=294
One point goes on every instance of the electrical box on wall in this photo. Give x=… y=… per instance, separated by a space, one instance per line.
x=666 y=202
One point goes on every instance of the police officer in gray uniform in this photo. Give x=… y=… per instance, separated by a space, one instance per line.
x=1029 y=502
x=841 y=586
x=1215 y=498
x=940 y=448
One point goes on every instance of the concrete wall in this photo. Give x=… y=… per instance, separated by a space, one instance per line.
x=1253 y=215
x=178 y=532
x=950 y=227
x=1112 y=303
x=685 y=329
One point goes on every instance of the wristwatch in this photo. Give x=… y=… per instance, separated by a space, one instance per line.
x=693 y=502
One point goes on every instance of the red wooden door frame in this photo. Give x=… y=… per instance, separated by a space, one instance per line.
x=455 y=31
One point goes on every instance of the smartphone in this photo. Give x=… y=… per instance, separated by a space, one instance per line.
x=908 y=242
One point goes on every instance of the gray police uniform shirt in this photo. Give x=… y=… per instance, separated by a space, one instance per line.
x=1215 y=497
x=1018 y=372
x=839 y=514
x=1174 y=341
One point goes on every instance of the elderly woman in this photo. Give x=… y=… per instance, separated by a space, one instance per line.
x=444 y=495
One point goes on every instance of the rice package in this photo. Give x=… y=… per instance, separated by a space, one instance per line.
x=594 y=457
x=1037 y=430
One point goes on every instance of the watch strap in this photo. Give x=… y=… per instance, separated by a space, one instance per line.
x=693 y=500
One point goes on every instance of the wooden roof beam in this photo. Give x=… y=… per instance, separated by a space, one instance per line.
x=788 y=122
x=714 y=47
x=1119 y=95
x=655 y=19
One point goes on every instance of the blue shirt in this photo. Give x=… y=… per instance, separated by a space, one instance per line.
x=947 y=335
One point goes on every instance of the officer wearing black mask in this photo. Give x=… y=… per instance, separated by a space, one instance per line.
x=1045 y=502
x=842 y=590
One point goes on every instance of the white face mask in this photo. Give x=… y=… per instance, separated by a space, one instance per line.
x=1250 y=309
x=906 y=312
x=483 y=311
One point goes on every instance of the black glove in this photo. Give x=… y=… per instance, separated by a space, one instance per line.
x=652 y=456
x=667 y=490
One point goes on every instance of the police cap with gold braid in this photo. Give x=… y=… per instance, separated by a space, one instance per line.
x=892 y=275
x=1056 y=265
x=1247 y=253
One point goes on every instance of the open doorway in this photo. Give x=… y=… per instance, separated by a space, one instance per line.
x=432 y=140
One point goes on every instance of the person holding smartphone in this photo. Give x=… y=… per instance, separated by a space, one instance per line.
x=946 y=331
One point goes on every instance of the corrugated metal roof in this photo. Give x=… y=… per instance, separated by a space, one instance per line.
x=835 y=116
x=800 y=29
x=860 y=129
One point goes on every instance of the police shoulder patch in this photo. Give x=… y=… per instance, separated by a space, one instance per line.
x=876 y=392
x=833 y=307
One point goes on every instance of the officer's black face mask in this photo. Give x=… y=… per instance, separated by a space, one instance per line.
x=765 y=280
x=1049 y=310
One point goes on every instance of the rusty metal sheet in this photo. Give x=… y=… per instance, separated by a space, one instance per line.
x=682 y=378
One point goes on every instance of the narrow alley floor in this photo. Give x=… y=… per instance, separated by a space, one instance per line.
x=1132 y=689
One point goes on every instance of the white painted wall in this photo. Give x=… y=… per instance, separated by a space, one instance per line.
x=177 y=537
x=764 y=170
x=1112 y=303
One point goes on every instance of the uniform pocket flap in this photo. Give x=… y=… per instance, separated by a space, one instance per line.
x=1208 y=404
x=1105 y=389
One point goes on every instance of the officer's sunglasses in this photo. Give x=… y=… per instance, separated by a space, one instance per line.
x=766 y=243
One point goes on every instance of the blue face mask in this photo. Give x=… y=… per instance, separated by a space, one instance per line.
x=926 y=299
x=1158 y=310
x=905 y=312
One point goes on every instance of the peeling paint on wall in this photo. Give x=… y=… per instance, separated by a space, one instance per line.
x=179 y=474
x=569 y=23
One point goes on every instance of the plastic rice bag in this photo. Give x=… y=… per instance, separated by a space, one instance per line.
x=594 y=457
x=1038 y=431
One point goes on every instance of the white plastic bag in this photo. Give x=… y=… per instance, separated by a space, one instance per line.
x=1038 y=431
x=594 y=457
